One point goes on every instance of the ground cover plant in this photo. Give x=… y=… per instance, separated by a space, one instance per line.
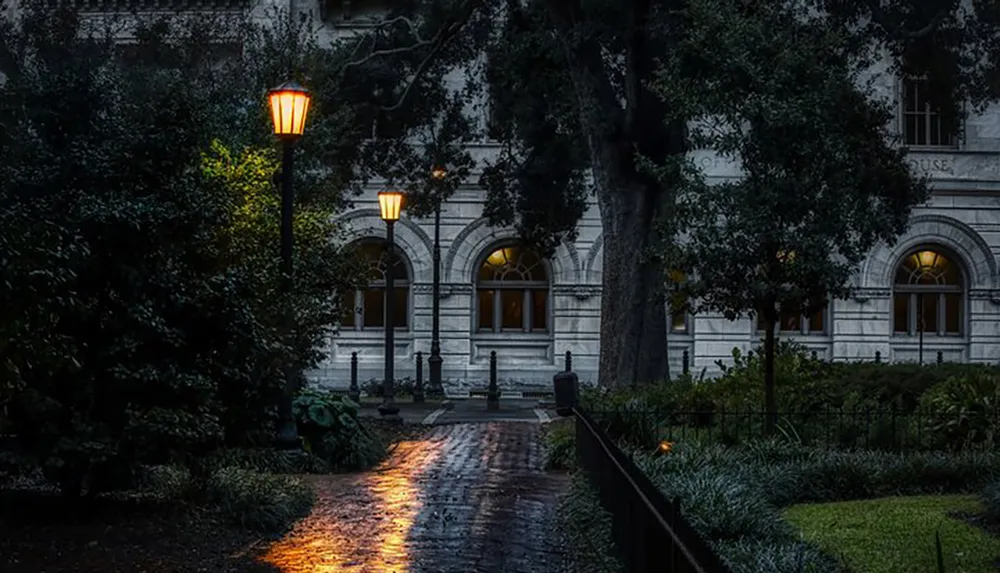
x=734 y=496
x=896 y=534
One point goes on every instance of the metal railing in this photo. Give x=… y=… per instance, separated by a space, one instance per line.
x=886 y=428
x=648 y=530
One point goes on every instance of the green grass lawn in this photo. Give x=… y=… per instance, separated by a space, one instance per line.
x=896 y=534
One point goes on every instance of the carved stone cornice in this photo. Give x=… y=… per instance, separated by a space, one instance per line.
x=446 y=291
x=863 y=295
x=151 y=5
x=992 y=295
x=581 y=292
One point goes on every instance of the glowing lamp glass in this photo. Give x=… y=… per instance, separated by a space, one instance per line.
x=390 y=203
x=289 y=108
x=439 y=173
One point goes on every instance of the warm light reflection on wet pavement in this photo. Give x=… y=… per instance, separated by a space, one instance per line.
x=466 y=498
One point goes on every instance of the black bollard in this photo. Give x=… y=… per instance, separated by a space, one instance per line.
x=940 y=357
x=418 y=386
x=686 y=362
x=878 y=357
x=815 y=356
x=353 y=392
x=569 y=361
x=493 y=393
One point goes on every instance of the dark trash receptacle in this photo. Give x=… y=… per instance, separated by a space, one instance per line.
x=566 y=390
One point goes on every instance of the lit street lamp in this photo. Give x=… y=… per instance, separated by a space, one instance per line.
x=289 y=107
x=389 y=204
x=438 y=173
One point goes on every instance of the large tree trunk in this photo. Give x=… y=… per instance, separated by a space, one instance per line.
x=633 y=316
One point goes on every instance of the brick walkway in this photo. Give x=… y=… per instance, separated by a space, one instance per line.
x=467 y=498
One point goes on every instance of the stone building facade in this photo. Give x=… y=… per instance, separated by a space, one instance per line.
x=941 y=278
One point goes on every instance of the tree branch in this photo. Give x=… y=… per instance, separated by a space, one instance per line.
x=879 y=16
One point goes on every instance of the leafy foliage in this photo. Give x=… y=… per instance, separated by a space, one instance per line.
x=262 y=502
x=330 y=428
x=560 y=445
x=139 y=316
x=732 y=495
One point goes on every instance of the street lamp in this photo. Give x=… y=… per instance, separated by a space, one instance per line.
x=389 y=204
x=438 y=173
x=289 y=107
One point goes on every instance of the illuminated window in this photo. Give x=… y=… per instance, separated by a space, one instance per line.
x=366 y=307
x=927 y=296
x=678 y=303
x=796 y=323
x=512 y=292
x=922 y=122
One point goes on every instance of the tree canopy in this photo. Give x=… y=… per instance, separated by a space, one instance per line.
x=572 y=109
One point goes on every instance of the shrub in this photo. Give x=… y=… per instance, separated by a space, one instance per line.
x=330 y=429
x=560 y=445
x=785 y=556
x=586 y=528
x=269 y=460
x=401 y=387
x=262 y=502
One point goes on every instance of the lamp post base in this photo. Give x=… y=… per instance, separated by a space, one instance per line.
x=434 y=387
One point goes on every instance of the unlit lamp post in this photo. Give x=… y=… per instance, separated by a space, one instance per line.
x=289 y=108
x=390 y=204
x=438 y=173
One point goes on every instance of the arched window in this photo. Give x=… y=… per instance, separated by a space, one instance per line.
x=366 y=306
x=928 y=295
x=512 y=292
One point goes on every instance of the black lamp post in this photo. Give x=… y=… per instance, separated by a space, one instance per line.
x=390 y=203
x=289 y=107
x=438 y=174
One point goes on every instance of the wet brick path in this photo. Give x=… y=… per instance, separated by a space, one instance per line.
x=466 y=498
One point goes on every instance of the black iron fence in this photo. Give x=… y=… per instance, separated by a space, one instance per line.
x=647 y=528
x=885 y=427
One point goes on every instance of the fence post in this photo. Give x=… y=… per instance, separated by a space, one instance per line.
x=878 y=357
x=569 y=361
x=418 y=386
x=493 y=393
x=354 y=392
x=940 y=357
x=686 y=361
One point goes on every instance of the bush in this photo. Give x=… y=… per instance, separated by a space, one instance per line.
x=402 y=387
x=560 y=445
x=269 y=460
x=586 y=529
x=946 y=406
x=261 y=502
x=330 y=429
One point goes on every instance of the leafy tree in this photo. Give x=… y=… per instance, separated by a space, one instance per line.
x=570 y=105
x=815 y=195
x=139 y=319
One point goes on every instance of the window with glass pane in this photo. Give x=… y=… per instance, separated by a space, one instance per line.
x=678 y=302
x=923 y=123
x=512 y=291
x=366 y=307
x=928 y=295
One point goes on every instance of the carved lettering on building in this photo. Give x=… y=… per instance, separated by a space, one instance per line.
x=931 y=164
